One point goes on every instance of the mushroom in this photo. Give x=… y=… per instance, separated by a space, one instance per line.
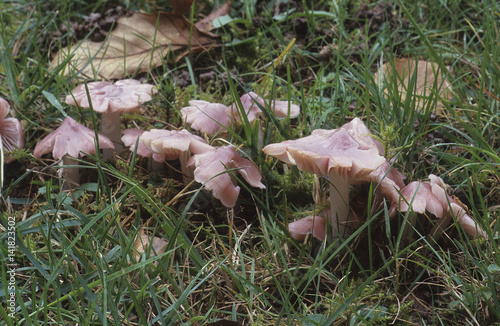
x=213 y=117
x=111 y=100
x=347 y=155
x=174 y=144
x=130 y=139
x=11 y=130
x=431 y=196
x=251 y=102
x=315 y=225
x=11 y=134
x=206 y=117
x=68 y=142
x=210 y=168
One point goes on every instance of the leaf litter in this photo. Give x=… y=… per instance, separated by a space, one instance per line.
x=139 y=43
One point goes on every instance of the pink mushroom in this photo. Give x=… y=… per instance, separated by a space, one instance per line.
x=347 y=155
x=111 y=100
x=214 y=117
x=10 y=129
x=68 y=142
x=430 y=196
x=315 y=225
x=174 y=144
x=206 y=117
x=130 y=138
x=281 y=109
x=210 y=168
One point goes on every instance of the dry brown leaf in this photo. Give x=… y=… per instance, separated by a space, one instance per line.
x=425 y=80
x=139 y=43
x=143 y=241
x=207 y=23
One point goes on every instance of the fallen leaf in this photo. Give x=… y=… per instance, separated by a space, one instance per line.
x=428 y=77
x=142 y=243
x=139 y=43
x=207 y=23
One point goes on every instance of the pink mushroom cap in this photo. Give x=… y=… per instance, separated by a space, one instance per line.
x=206 y=117
x=281 y=109
x=210 y=168
x=431 y=196
x=172 y=143
x=123 y=96
x=315 y=225
x=71 y=139
x=129 y=139
x=330 y=152
x=11 y=130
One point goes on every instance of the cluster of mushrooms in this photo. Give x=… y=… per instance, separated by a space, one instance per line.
x=349 y=155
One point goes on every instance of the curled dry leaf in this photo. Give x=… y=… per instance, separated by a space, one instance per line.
x=207 y=23
x=429 y=82
x=139 y=43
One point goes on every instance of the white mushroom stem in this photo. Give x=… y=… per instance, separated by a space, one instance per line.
x=71 y=175
x=111 y=128
x=339 y=204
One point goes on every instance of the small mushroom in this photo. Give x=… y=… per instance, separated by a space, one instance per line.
x=68 y=142
x=130 y=139
x=11 y=130
x=175 y=144
x=281 y=109
x=206 y=117
x=347 y=155
x=315 y=225
x=430 y=196
x=111 y=100
x=210 y=168
x=215 y=117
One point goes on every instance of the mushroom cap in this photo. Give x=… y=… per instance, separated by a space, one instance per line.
x=210 y=168
x=431 y=196
x=253 y=111
x=390 y=181
x=335 y=152
x=172 y=143
x=421 y=197
x=71 y=139
x=129 y=139
x=315 y=225
x=11 y=130
x=123 y=96
x=206 y=117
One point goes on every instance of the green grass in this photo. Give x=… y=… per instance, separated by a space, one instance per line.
x=74 y=256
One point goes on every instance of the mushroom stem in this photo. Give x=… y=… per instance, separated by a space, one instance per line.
x=154 y=165
x=339 y=203
x=187 y=173
x=71 y=175
x=111 y=128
